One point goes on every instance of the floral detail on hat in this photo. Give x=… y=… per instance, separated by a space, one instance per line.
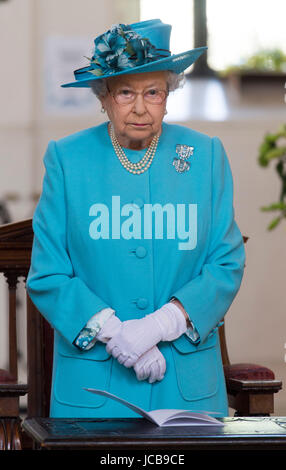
x=121 y=48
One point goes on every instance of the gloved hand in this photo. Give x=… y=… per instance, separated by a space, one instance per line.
x=110 y=327
x=135 y=337
x=151 y=365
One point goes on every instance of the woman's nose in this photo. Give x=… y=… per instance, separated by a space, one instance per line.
x=139 y=104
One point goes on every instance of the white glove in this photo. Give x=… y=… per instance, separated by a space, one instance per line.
x=150 y=365
x=135 y=337
x=110 y=327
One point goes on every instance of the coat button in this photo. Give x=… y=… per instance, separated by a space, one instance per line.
x=140 y=251
x=138 y=202
x=142 y=303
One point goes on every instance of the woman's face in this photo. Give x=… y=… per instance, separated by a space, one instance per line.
x=136 y=123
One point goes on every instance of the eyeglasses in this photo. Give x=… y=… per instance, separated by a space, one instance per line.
x=125 y=96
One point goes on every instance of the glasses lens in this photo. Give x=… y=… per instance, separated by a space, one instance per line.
x=124 y=96
x=155 y=96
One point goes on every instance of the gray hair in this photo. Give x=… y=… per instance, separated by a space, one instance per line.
x=174 y=81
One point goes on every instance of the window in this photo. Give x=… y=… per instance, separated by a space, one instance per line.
x=180 y=18
x=237 y=29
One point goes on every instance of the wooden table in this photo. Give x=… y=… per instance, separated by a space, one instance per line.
x=127 y=434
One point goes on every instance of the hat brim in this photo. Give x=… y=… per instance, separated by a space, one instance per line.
x=176 y=63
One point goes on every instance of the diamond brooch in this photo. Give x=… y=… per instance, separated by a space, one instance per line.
x=184 y=151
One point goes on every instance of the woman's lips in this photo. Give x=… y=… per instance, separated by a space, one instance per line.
x=139 y=125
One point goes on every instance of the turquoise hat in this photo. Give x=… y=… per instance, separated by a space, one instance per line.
x=135 y=48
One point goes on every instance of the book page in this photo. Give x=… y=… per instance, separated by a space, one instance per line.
x=164 y=417
x=167 y=417
x=135 y=408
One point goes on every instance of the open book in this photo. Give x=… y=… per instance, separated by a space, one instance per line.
x=166 y=417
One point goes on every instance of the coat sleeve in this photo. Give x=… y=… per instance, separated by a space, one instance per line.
x=63 y=299
x=208 y=297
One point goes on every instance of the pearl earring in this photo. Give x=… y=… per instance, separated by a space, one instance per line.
x=102 y=110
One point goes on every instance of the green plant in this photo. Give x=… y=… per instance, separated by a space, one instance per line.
x=265 y=60
x=272 y=149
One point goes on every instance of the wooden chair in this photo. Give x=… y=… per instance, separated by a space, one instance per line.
x=250 y=387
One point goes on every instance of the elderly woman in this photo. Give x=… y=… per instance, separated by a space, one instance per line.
x=136 y=255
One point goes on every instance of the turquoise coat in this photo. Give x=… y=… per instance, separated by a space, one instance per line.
x=87 y=255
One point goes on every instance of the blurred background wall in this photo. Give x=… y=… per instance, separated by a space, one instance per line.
x=43 y=41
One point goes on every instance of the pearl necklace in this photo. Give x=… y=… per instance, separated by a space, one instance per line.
x=143 y=164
